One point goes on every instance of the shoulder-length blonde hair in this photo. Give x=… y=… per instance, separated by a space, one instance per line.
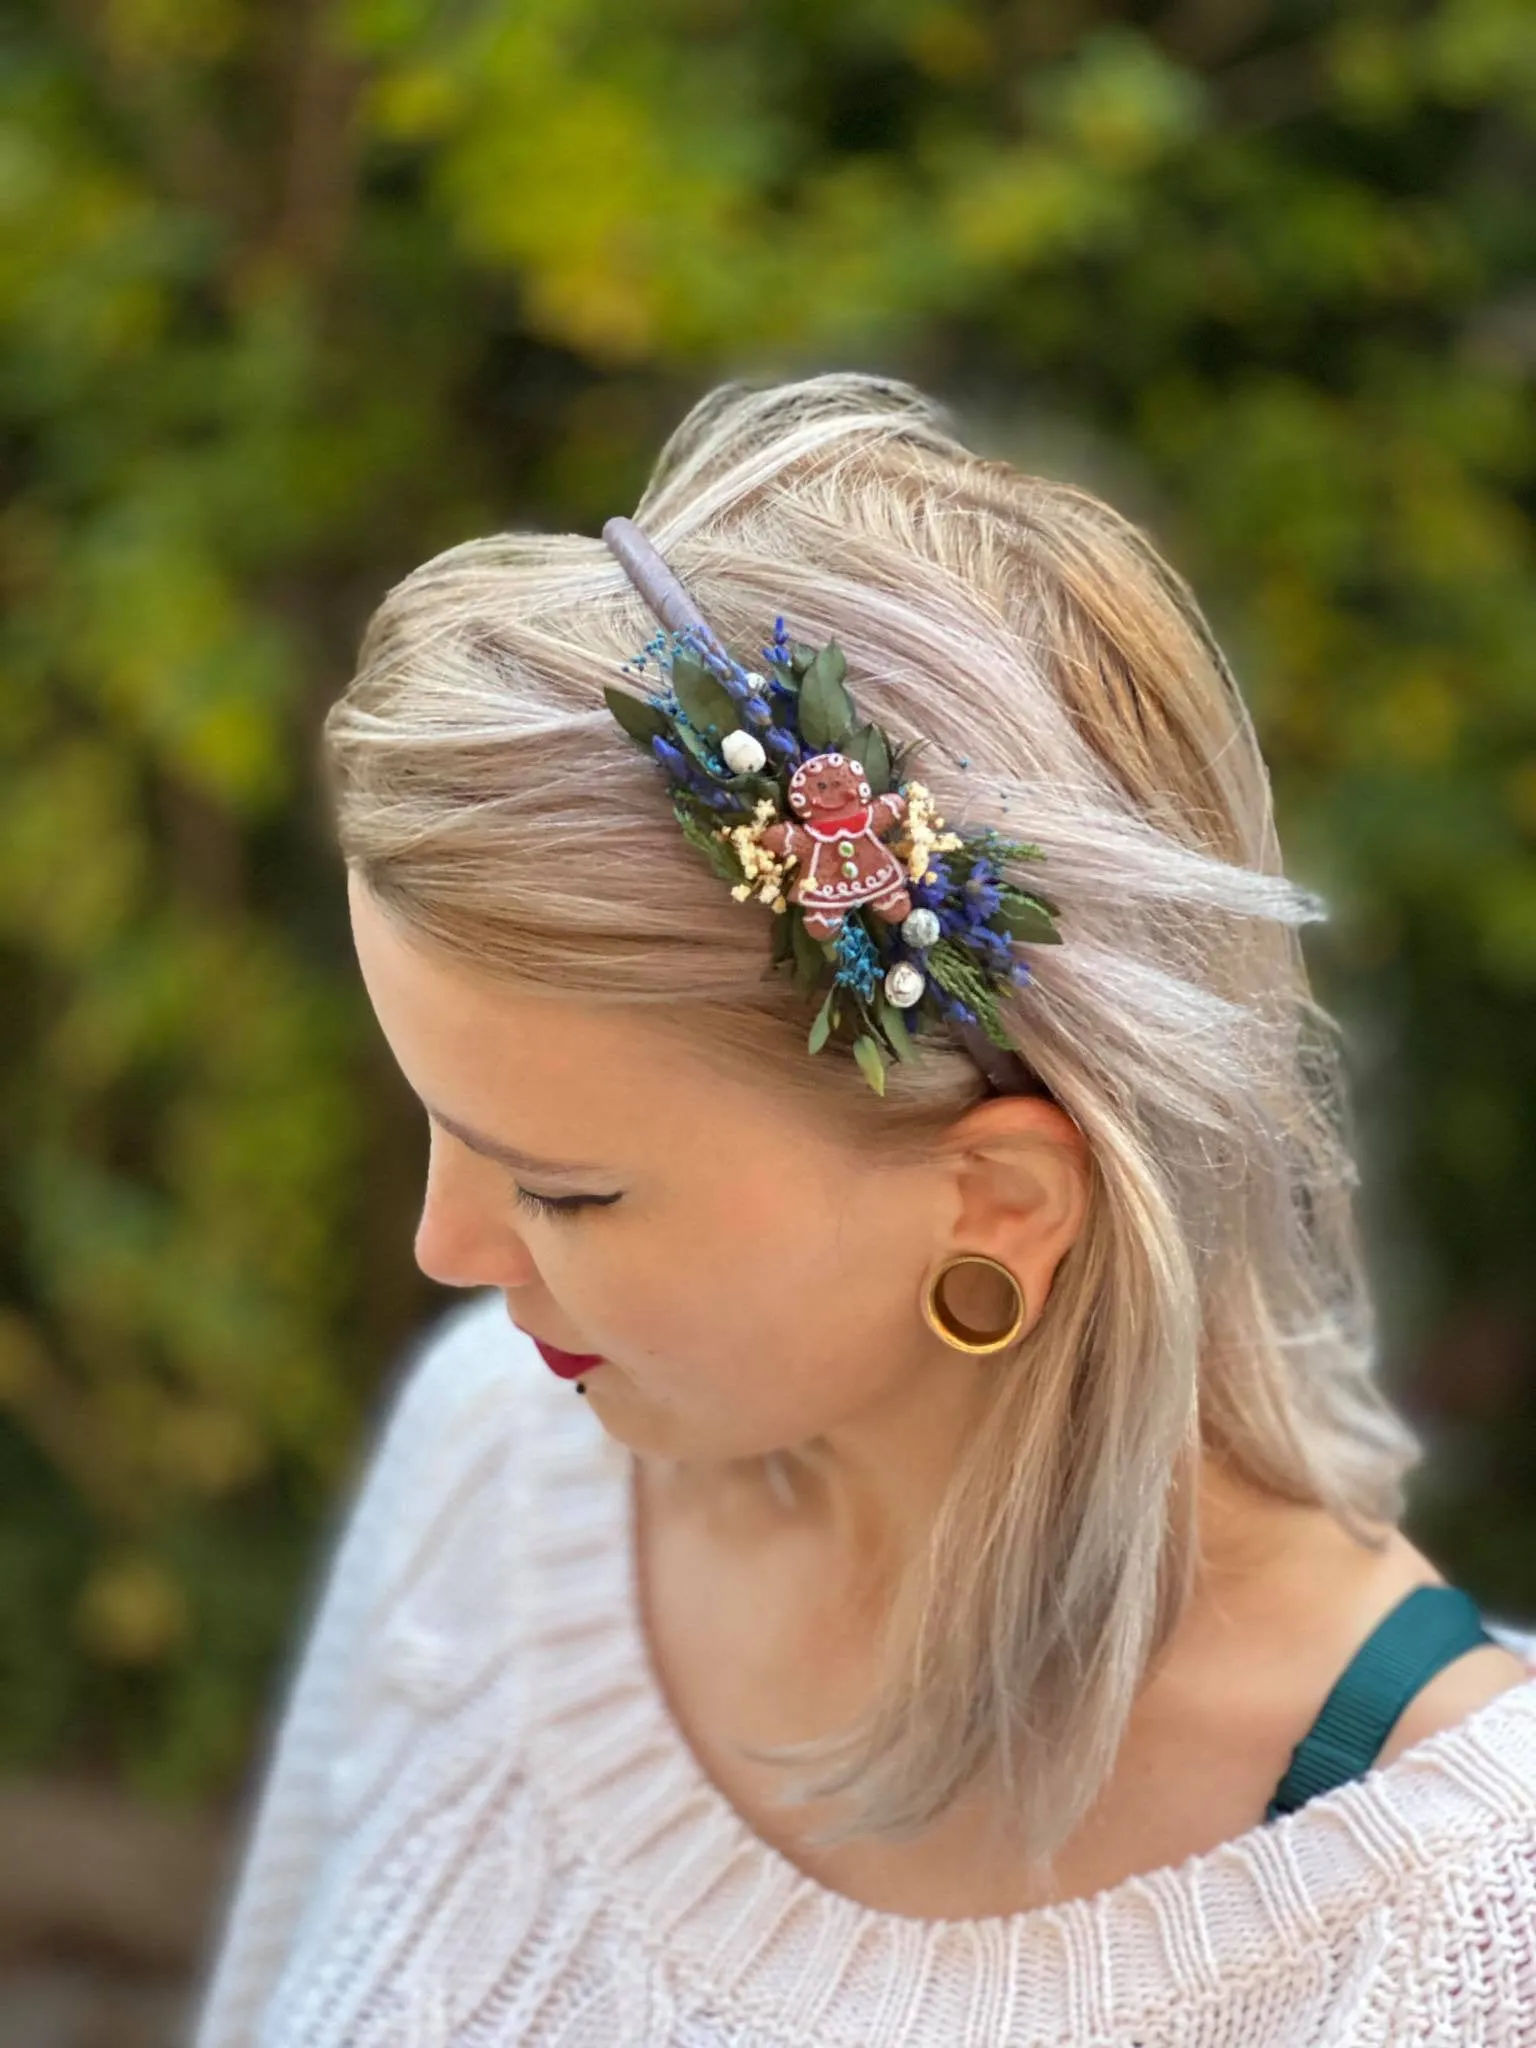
x=1216 y=1296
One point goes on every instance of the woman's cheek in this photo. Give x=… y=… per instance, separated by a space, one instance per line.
x=620 y=1309
x=663 y=1323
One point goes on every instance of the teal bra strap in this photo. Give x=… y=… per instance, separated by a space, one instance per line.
x=1424 y=1632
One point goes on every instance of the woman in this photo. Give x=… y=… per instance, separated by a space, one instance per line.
x=901 y=1545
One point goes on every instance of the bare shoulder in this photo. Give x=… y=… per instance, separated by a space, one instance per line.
x=1458 y=1688
x=1455 y=1692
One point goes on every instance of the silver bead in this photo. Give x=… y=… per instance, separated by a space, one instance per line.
x=920 y=928
x=904 y=984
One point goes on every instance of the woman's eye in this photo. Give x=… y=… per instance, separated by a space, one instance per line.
x=556 y=1205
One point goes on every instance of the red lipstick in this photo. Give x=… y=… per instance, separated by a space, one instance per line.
x=568 y=1365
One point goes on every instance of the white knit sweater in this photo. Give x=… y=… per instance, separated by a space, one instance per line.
x=481 y=1828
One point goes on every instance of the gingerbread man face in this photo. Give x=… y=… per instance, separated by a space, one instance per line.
x=828 y=784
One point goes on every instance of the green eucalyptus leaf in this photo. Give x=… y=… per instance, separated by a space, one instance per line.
x=826 y=709
x=903 y=759
x=749 y=788
x=867 y=1053
x=830 y=662
x=868 y=747
x=708 y=704
x=810 y=961
x=642 y=721
x=801 y=655
x=821 y=1029
x=686 y=670
x=894 y=1025
x=694 y=743
x=1028 y=919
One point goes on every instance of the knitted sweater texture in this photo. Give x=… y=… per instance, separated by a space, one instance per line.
x=480 y=1828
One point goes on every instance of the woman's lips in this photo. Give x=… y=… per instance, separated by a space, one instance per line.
x=569 y=1365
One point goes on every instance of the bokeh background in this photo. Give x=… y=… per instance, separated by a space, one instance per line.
x=294 y=293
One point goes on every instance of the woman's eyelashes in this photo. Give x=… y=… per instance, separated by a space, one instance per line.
x=560 y=1205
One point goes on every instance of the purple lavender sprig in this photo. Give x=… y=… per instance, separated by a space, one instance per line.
x=707 y=649
x=781 y=648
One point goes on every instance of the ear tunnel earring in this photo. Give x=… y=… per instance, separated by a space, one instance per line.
x=962 y=1336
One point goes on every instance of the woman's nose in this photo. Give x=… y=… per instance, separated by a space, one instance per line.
x=465 y=1237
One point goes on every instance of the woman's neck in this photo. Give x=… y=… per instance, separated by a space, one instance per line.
x=867 y=1492
x=862 y=1500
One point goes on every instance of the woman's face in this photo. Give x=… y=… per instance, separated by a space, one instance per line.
x=749 y=1284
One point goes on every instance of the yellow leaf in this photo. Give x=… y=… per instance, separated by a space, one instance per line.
x=131 y=1611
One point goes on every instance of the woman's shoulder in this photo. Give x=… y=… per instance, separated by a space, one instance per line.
x=1517 y=1637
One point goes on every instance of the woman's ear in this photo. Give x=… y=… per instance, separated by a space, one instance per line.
x=1022 y=1174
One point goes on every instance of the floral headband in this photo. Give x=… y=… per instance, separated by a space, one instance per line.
x=899 y=923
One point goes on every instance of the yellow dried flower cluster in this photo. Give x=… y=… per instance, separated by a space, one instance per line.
x=765 y=872
x=925 y=835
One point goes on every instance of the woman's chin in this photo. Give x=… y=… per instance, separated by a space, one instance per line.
x=653 y=1428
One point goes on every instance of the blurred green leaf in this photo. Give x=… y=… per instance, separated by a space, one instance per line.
x=291 y=298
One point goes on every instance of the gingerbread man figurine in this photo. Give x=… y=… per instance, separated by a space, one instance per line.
x=836 y=840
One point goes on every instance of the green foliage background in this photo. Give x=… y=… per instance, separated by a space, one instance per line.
x=294 y=293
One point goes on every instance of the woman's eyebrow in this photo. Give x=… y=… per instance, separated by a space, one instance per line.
x=508 y=1155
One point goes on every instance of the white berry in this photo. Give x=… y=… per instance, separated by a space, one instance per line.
x=743 y=752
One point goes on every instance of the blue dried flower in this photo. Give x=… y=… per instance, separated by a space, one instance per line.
x=981 y=897
x=673 y=759
x=858 y=964
x=779 y=649
x=933 y=895
x=655 y=649
x=996 y=948
x=783 y=702
x=714 y=657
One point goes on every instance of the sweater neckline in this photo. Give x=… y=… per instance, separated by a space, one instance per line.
x=733 y=1916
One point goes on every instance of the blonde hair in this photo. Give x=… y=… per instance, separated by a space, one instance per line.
x=1216 y=1296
